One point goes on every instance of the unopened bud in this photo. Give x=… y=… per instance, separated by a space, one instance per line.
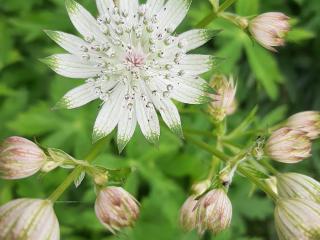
x=297 y=219
x=214 y=212
x=28 y=219
x=188 y=214
x=308 y=122
x=288 y=145
x=269 y=29
x=295 y=185
x=20 y=158
x=116 y=208
x=223 y=103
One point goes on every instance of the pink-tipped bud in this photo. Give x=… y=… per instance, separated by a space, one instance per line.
x=288 y=145
x=214 y=212
x=224 y=102
x=308 y=122
x=28 y=219
x=269 y=29
x=116 y=208
x=188 y=214
x=20 y=158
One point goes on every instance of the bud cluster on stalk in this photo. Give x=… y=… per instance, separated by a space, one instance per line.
x=34 y=219
x=207 y=209
x=293 y=142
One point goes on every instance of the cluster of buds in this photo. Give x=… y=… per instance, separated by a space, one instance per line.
x=212 y=211
x=293 y=142
x=224 y=102
x=269 y=29
x=29 y=219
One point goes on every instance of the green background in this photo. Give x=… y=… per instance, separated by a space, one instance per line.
x=281 y=84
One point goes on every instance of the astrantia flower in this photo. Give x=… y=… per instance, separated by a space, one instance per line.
x=224 y=102
x=214 y=212
x=28 y=219
x=269 y=29
x=20 y=158
x=116 y=208
x=297 y=219
x=134 y=63
x=288 y=145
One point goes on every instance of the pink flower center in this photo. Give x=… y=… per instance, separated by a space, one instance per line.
x=135 y=59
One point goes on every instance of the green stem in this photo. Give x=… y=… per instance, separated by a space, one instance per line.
x=269 y=167
x=225 y=158
x=209 y=18
x=94 y=152
x=207 y=147
x=225 y=5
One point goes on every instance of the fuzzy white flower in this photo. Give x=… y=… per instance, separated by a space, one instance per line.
x=134 y=63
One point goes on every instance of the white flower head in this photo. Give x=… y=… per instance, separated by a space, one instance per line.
x=134 y=63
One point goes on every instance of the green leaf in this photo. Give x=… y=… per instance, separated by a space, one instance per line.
x=264 y=67
x=298 y=35
x=247 y=7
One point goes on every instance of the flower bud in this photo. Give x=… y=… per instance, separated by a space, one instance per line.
x=214 y=212
x=288 y=145
x=188 y=214
x=297 y=219
x=28 y=219
x=295 y=185
x=308 y=122
x=223 y=103
x=20 y=158
x=116 y=208
x=269 y=29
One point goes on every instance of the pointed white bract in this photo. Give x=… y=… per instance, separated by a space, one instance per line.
x=133 y=62
x=28 y=219
x=295 y=185
x=20 y=158
x=297 y=219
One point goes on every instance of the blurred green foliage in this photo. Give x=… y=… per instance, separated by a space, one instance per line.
x=280 y=84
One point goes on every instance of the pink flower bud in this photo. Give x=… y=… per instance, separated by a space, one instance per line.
x=308 y=122
x=20 y=158
x=28 y=219
x=116 y=208
x=214 y=212
x=224 y=102
x=188 y=214
x=269 y=29
x=288 y=145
